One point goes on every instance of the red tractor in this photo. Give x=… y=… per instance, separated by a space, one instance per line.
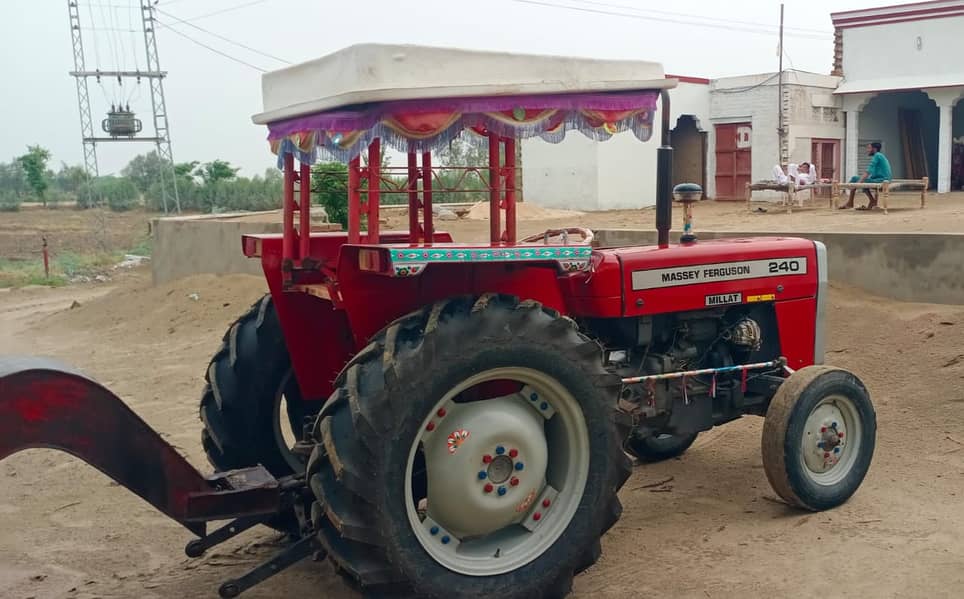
x=460 y=413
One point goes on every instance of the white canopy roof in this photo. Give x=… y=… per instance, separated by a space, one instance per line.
x=381 y=72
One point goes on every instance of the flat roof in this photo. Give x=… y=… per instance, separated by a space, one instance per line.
x=899 y=13
x=371 y=73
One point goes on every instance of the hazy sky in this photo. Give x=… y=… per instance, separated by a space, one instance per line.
x=211 y=98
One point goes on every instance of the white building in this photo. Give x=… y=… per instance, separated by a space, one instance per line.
x=898 y=79
x=903 y=79
x=725 y=134
x=582 y=174
x=745 y=138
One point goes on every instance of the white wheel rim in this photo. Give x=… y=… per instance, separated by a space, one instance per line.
x=284 y=436
x=831 y=440
x=512 y=523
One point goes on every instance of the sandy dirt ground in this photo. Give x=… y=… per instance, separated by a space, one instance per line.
x=712 y=528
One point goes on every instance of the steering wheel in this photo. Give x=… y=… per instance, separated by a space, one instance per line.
x=586 y=236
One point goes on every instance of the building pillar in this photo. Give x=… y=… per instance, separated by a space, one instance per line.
x=944 y=148
x=852 y=151
x=853 y=104
x=945 y=98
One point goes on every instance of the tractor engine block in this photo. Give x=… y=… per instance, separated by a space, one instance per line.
x=671 y=343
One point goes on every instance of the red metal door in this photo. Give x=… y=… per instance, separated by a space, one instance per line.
x=826 y=159
x=733 y=164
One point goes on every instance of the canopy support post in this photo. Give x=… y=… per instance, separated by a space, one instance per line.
x=354 y=200
x=427 y=216
x=495 y=191
x=510 y=179
x=414 y=229
x=304 y=211
x=288 y=242
x=373 y=195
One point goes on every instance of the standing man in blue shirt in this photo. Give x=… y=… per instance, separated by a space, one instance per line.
x=878 y=171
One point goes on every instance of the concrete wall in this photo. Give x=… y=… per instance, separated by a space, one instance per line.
x=184 y=246
x=914 y=267
x=890 y=51
x=582 y=174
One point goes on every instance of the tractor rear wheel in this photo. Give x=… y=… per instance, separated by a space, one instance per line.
x=657 y=448
x=818 y=437
x=251 y=406
x=470 y=450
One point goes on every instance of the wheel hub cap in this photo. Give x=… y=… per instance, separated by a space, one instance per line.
x=831 y=440
x=478 y=485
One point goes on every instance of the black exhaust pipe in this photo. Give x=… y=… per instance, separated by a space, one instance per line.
x=664 y=178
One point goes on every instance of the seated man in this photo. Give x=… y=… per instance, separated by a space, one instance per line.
x=800 y=175
x=878 y=171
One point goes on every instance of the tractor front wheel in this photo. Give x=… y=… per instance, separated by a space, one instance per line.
x=471 y=450
x=818 y=437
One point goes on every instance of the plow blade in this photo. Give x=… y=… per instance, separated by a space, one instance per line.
x=44 y=404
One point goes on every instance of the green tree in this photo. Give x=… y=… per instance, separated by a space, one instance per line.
x=185 y=169
x=13 y=180
x=69 y=179
x=329 y=184
x=34 y=164
x=216 y=170
x=119 y=193
x=144 y=170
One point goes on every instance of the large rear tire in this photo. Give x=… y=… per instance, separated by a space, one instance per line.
x=470 y=450
x=251 y=406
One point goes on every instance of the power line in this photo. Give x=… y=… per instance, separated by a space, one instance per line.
x=664 y=19
x=203 y=45
x=221 y=37
x=712 y=19
x=223 y=10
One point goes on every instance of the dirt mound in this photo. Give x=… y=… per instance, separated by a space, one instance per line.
x=145 y=313
x=524 y=211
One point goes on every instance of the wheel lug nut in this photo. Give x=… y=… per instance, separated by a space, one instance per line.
x=513 y=453
x=543 y=406
x=486 y=459
x=487 y=488
x=826 y=455
x=546 y=503
x=501 y=491
x=433 y=530
x=445 y=540
x=430 y=426
x=482 y=474
x=836 y=450
x=514 y=481
x=534 y=397
x=519 y=466
x=840 y=434
x=823 y=429
x=441 y=412
x=500 y=450
x=537 y=516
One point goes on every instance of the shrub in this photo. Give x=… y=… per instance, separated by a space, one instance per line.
x=9 y=201
x=329 y=184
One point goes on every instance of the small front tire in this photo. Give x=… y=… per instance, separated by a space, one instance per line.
x=818 y=437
